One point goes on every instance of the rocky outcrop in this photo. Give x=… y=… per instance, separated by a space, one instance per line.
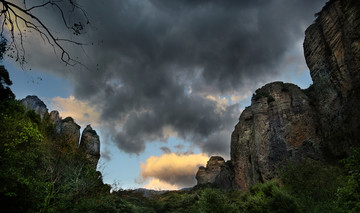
x=68 y=130
x=217 y=172
x=279 y=126
x=32 y=102
x=208 y=174
x=56 y=120
x=226 y=178
x=286 y=124
x=90 y=144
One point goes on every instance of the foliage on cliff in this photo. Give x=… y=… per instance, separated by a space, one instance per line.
x=40 y=171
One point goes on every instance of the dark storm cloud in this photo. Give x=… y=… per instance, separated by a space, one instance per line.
x=160 y=59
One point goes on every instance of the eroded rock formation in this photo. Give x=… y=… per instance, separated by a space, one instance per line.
x=332 y=53
x=286 y=124
x=280 y=125
x=32 y=102
x=56 y=120
x=70 y=131
x=217 y=172
x=67 y=129
x=90 y=144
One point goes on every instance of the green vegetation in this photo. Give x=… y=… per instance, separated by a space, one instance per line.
x=259 y=93
x=266 y=197
x=348 y=196
x=5 y=82
x=42 y=172
x=314 y=185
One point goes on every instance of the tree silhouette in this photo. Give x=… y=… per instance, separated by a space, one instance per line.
x=18 y=17
x=5 y=82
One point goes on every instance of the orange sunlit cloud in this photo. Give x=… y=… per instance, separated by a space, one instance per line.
x=157 y=184
x=173 y=169
x=81 y=111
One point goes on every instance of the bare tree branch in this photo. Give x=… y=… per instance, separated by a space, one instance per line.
x=13 y=13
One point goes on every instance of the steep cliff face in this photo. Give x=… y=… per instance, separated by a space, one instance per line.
x=68 y=130
x=332 y=53
x=280 y=125
x=286 y=124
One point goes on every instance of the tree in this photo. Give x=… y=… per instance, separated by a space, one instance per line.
x=42 y=171
x=20 y=157
x=18 y=17
x=5 y=82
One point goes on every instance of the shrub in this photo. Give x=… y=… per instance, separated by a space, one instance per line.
x=260 y=94
x=20 y=155
x=348 y=196
x=268 y=197
x=212 y=200
x=314 y=184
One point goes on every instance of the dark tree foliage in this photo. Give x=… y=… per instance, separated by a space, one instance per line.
x=20 y=17
x=348 y=196
x=40 y=170
x=5 y=82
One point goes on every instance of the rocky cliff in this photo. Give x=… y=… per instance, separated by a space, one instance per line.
x=67 y=129
x=216 y=171
x=90 y=144
x=32 y=102
x=286 y=124
x=279 y=126
x=332 y=53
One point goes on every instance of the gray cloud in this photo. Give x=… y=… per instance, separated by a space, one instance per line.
x=154 y=51
x=106 y=155
x=165 y=149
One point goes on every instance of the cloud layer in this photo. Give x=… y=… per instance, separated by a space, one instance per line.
x=173 y=169
x=177 y=64
x=81 y=111
x=157 y=184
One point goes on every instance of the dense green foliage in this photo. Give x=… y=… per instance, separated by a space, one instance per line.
x=348 y=196
x=267 y=197
x=5 y=82
x=39 y=170
x=314 y=185
x=20 y=155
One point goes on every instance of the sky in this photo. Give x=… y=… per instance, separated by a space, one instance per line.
x=163 y=82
